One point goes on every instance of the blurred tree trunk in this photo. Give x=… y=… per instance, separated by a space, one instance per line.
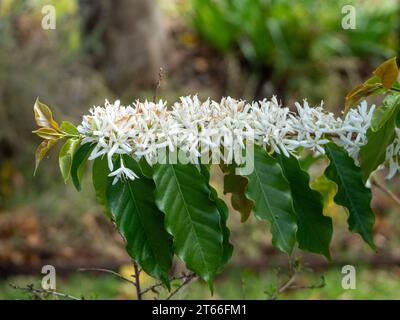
x=125 y=38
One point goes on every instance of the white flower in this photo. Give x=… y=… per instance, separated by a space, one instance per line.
x=311 y=126
x=271 y=125
x=111 y=127
x=122 y=173
x=352 y=134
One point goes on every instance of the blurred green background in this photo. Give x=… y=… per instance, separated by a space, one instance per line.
x=248 y=49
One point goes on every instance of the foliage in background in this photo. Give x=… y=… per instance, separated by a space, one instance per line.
x=297 y=44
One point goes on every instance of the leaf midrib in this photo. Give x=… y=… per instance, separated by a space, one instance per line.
x=190 y=217
x=141 y=222
x=269 y=208
x=307 y=181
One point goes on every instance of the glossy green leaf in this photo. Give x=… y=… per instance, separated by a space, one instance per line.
x=141 y=223
x=352 y=192
x=100 y=172
x=66 y=156
x=69 y=128
x=236 y=185
x=314 y=231
x=374 y=152
x=146 y=169
x=78 y=163
x=383 y=113
x=224 y=213
x=191 y=217
x=270 y=192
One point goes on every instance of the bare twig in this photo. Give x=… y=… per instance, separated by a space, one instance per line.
x=160 y=284
x=38 y=292
x=379 y=185
x=313 y=286
x=158 y=85
x=288 y=284
x=136 y=282
x=108 y=271
x=188 y=279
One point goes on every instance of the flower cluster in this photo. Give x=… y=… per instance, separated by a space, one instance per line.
x=225 y=127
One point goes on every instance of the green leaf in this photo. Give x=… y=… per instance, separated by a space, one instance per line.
x=352 y=192
x=236 y=185
x=69 y=128
x=100 y=172
x=270 y=192
x=387 y=72
x=373 y=153
x=41 y=151
x=43 y=115
x=191 y=217
x=314 y=231
x=141 y=223
x=66 y=155
x=78 y=163
x=383 y=113
x=224 y=213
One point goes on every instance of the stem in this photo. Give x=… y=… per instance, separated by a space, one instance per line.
x=108 y=271
x=35 y=291
x=379 y=185
x=160 y=284
x=139 y=293
x=158 y=85
x=189 y=278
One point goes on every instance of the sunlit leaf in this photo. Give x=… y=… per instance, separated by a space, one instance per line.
x=43 y=115
x=41 y=151
x=48 y=133
x=361 y=91
x=328 y=190
x=387 y=72
x=236 y=186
